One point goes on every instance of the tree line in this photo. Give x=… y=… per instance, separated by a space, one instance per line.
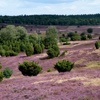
x=91 y=19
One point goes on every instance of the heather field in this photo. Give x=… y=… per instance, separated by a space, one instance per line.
x=82 y=83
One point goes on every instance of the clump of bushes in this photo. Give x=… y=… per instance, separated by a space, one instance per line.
x=74 y=36
x=97 y=44
x=30 y=68
x=53 y=51
x=64 y=66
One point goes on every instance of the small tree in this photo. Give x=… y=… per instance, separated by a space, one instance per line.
x=63 y=66
x=89 y=30
x=30 y=68
x=49 y=41
x=29 y=50
x=97 y=44
x=53 y=51
x=83 y=36
x=37 y=49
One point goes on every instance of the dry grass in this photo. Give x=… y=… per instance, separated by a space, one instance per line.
x=92 y=82
x=93 y=64
x=80 y=61
x=97 y=51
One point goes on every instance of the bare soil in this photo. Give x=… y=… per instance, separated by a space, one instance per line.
x=82 y=83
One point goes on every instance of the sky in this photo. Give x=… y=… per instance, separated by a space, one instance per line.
x=59 y=7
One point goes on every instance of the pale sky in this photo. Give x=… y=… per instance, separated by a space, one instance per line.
x=61 y=7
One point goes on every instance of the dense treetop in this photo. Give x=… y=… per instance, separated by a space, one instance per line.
x=52 y=19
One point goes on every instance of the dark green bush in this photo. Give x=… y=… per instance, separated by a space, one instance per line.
x=63 y=66
x=42 y=46
x=89 y=36
x=53 y=51
x=97 y=44
x=16 y=49
x=63 y=39
x=83 y=37
x=37 y=49
x=1 y=76
x=0 y=66
x=22 y=47
x=29 y=50
x=10 y=53
x=48 y=41
x=74 y=36
x=2 y=52
x=7 y=72
x=30 y=68
x=89 y=30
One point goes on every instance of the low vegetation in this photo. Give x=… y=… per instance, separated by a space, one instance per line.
x=6 y=73
x=64 y=66
x=97 y=44
x=30 y=68
x=53 y=51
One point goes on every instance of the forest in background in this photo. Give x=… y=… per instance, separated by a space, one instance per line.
x=91 y=19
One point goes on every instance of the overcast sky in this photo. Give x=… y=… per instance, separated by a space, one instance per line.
x=66 y=7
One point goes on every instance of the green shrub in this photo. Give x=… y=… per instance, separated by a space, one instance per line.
x=63 y=66
x=16 y=48
x=2 y=52
x=10 y=53
x=7 y=72
x=49 y=70
x=0 y=66
x=30 y=68
x=22 y=47
x=63 y=39
x=29 y=50
x=97 y=44
x=1 y=76
x=74 y=36
x=53 y=51
x=42 y=46
x=83 y=36
x=37 y=49
x=89 y=30
x=89 y=36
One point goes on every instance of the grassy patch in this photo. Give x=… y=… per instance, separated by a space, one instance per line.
x=92 y=82
x=96 y=52
x=80 y=61
x=93 y=64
